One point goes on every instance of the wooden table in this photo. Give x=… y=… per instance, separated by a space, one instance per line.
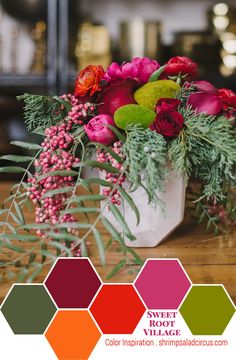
x=208 y=259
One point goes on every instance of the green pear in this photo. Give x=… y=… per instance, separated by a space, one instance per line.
x=133 y=114
x=151 y=92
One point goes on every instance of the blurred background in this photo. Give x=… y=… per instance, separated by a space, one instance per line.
x=44 y=43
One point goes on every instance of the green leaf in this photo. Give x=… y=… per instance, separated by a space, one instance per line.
x=35 y=227
x=62 y=236
x=26 y=145
x=117 y=268
x=96 y=164
x=20 y=237
x=16 y=158
x=156 y=74
x=14 y=248
x=85 y=210
x=61 y=247
x=111 y=229
x=82 y=198
x=120 y=136
x=58 y=173
x=130 y=201
x=12 y=169
x=74 y=225
x=19 y=213
x=119 y=217
x=100 y=246
x=10 y=227
x=32 y=257
x=100 y=182
x=84 y=252
x=15 y=218
x=35 y=273
x=54 y=192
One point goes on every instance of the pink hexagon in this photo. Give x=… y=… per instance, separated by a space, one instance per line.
x=162 y=283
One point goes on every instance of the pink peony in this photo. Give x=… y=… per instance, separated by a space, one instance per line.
x=116 y=94
x=97 y=130
x=145 y=68
x=205 y=100
x=139 y=69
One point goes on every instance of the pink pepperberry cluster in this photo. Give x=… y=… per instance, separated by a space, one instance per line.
x=118 y=179
x=56 y=156
x=219 y=211
x=80 y=113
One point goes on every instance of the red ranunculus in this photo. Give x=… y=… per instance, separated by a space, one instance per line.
x=181 y=66
x=88 y=80
x=228 y=98
x=166 y=103
x=116 y=94
x=168 y=123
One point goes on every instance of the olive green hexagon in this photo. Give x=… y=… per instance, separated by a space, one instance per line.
x=28 y=309
x=207 y=309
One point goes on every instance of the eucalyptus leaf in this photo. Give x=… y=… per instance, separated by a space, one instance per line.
x=26 y=145
x=100 y=246
x=156 y=74
x=16 y=158
x=120 y=218
x=12 y=169
x=117 y=268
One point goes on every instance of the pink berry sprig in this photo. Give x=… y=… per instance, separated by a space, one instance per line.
x=56 y=156
x=219 y=211
x=80 y=113
x=104 y=157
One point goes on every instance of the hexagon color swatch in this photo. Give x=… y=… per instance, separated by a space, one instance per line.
x=162 y=283
x=207 y=309
x=73 y=283
x=73 y=334
x=117 y=309
x=28 y=309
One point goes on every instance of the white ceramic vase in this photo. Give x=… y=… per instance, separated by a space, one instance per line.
x=155 y=225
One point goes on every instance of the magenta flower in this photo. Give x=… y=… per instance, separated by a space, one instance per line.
x=145 y=68
x=116 y=94
x=139 y=69
x=97 y=130
x=206 y=99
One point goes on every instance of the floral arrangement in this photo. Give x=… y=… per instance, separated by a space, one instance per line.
x=141 y=120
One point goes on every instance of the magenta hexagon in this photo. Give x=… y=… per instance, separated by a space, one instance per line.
x=162 y=283
x=73 y=283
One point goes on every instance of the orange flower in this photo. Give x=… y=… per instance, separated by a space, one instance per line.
x=88 y=80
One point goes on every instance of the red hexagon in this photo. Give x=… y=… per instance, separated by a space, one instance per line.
x=117 y=309
x=73 y=334
x=73 y=283
x=162 y=283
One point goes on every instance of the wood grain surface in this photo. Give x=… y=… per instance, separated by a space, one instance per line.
x=208 y=259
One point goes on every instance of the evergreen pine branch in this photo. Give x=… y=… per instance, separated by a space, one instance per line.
x=206 y=148
x=145 y=154
x=41 y=112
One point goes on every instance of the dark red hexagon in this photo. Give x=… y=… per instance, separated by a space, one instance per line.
x=162 y=283
x=73 y=283
x=117 y=309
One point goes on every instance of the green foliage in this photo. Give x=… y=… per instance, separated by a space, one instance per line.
x=30 y=260
x=206 y=148
x=145 y=154
x=41 y=112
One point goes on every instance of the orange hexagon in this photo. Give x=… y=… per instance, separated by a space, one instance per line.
x=73 y=334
